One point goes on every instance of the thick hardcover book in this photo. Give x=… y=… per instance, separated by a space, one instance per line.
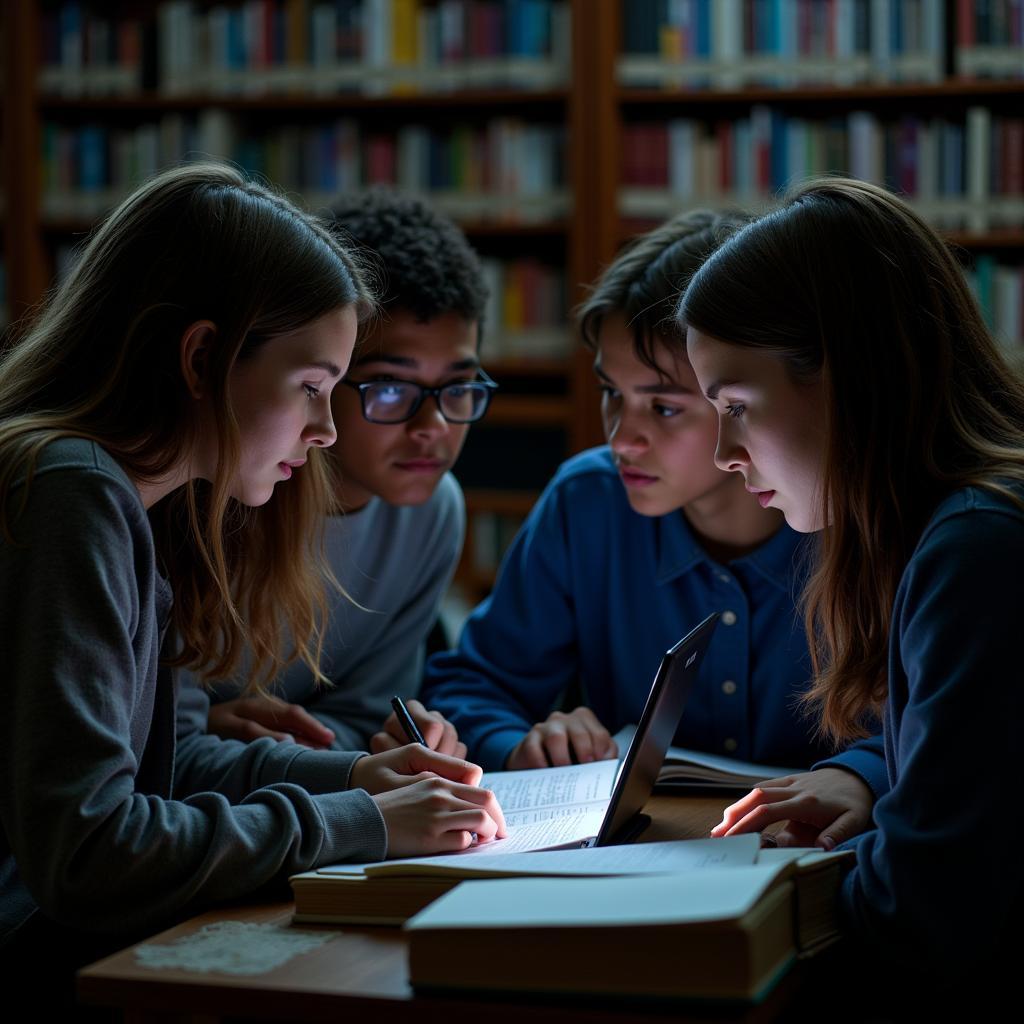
x=715 y=935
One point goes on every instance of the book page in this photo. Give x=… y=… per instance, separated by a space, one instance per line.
x=557 y=830
x=806 y=857
x=552 y=830
x=716 y=766
x=568 y=786
x=635 y=859
x=534 y=816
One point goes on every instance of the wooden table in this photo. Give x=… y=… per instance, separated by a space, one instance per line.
x=361 y=974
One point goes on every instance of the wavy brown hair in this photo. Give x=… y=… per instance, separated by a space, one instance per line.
x=849 y=286
x=644 y=281
x=101 y=362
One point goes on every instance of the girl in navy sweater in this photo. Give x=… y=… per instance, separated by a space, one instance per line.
x=859 y=391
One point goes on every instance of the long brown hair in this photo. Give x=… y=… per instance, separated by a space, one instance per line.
x=849 y=286
x=101 y=362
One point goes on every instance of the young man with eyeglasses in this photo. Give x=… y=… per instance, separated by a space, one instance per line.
x=414 y=386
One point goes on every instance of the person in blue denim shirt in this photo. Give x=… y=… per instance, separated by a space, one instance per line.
x=860 y=392
x=629 y=547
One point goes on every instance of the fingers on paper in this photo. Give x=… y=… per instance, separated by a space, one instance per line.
x=760 y=807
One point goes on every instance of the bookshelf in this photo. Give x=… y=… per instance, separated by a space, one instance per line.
x=553 y=130
x=726 y=104
x=469 y=102
x=3 y=264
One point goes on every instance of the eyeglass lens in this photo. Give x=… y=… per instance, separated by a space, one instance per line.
x=395 y=401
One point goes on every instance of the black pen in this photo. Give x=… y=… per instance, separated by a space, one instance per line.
x=406 y=722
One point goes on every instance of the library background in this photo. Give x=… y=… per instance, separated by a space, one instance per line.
x=552 y=130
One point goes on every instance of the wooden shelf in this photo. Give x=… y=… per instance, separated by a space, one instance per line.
x=502 y=503
x=529 y=367
x=528 y=411
x=1003 y=238
x=953 y=88
x=479 y=582
x=300 y=104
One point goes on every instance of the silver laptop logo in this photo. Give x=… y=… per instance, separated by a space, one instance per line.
x=690 y=660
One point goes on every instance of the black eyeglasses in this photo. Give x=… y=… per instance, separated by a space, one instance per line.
x=395 y=401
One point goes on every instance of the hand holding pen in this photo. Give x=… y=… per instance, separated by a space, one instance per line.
x=431 y=802
x=430 y=728
x=406 y=722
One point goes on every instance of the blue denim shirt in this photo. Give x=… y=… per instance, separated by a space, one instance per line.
x=591 y=590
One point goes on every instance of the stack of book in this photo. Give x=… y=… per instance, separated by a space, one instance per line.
x=390 y=892
x=724 y=933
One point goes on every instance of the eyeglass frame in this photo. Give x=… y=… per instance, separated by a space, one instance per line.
x=363 y=386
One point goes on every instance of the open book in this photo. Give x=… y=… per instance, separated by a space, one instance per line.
x=694 y=769
x=724 y=932
x=545 y=809
x=389 y=892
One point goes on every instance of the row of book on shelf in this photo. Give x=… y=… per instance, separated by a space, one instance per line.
x=525 y=317
x=526 y=312
x=307 y=46
x=508 y=169
x=962 y=174
x=387 y=46
x=490 y=536
x=999 y=289
x=728 y=44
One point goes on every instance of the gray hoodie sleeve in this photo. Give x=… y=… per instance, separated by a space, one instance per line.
x=83 y=836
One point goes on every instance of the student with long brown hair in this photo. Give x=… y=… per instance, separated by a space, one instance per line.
x=162 y=484
x=859 y=391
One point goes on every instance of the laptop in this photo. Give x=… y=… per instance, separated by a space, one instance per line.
x=639 y=769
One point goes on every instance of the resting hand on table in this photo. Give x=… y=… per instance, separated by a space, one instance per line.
x=250 y=718
x=431 y=803
x=821 y=808
x=437 y=731
x=561 y=739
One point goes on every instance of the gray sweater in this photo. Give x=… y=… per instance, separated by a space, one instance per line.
x=109 y=822
x=396 y=562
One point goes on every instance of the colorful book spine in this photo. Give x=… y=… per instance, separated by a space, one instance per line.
x=989 y=40
x=729 y=44
x=257 y=47
x=999 y=289
x=506 y=171
x=527 y=314
x=961 y=175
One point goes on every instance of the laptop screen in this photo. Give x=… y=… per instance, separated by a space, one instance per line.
x=654 y=733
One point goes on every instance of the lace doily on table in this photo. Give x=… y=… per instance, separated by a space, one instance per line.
x=232 y=947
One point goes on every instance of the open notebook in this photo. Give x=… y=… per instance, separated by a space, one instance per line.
x=687 y=770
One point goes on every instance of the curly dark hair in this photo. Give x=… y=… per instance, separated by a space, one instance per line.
x=424 y=264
